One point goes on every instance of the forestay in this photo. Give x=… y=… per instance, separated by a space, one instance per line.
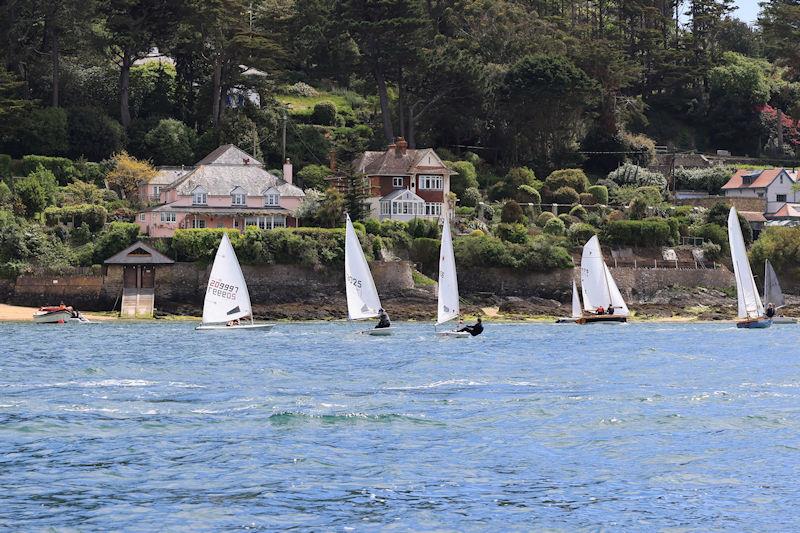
x=362 y=296
x=597 y=285
x=749 y=302
x=772 y=287
x=226 y=294
x=576 y=302
x=448 y=282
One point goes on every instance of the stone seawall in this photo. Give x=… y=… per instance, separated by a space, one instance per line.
x=742 y=204
x=81 y=291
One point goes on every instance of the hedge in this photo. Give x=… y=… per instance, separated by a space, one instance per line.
x=94 y=216
x=425 y=251
x=643 y=233
x=62 y=168
x=600 y=193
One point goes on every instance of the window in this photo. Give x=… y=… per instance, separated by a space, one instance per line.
x=397 y=183
x=266 y=222
x=272 y=199
x=199 y=197
x=386 y=208
x=781 y=180
x=156 y=192
x=198 y=224
x=434 y=183
x=780 y=197
x=142 y=217
x=433 y=209
x=238 y=199
x=168 y=217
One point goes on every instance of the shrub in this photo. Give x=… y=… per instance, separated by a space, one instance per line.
x=200 y=244
x=324 y=113
x=574 y=178
x=116 y=237
x=6 y=196
x=509 y=186
x=43 y=131
x=554 y=226
x=542 y=219
x=93 y=217
x=781 y=245
x=511 y=213
x=313 y=176
x=637 y=209
x=302 y=89
x=487 y=211
x=643 y=233
x=372 y=226
x=517 y=233
x=471 y=197
x=586 y=198
x=466 y=177
x=527 y=194
x=566 y=195
x=709 y=179
x=32 y=195
x=579 y=212
x=600 y=194
x=476 y=233
x=644 y=145
x=93 y=134
x=5 y=167
x=425 y=251
x=637 y=176
x=423 y=228
x=580 y=233
x=62 y=168
x=465 y=211
x=712 y=233
x=396 y=233
x=711 y=251
x=568 y=219
x=171 y=142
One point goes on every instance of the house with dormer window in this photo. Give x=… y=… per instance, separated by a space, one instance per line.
x=228 y=188
x=773 y=185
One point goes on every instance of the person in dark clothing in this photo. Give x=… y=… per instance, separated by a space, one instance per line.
x=770 y=310
x=610 y=309
x=383 y=320
x=473 y=330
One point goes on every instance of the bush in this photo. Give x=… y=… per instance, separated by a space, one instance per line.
x=542 y=219
x=781 y=245
x=466 y=212
x=580 y=233
x=529 y=195
x=476 y=233
x=711 y=251
x=302 y=89
x=171 y=142
x=324 y=113
x=555 y=226
x=43 y=131
x=718 y=214
x=63 y=169
x=32 y=195
x=372 y=226
x=509 y=186
x=116 y=237
x=423 y=228
x=633 y=175
x=644 y=145
x=566 y=195
x=517 y=233
x=6 y=196
x=93 y=217
x=642 y=233
x=425 y=251
x=471 y=197
x=573 y=178
x=512 y=213
x=5 y=167
x=313 y=177
x=709 y=179
x=568 y=219
x=93 y=134
x=466 y=177
x=600 y=194
x=711 y=233
x=579 y=212
x=396 y=233
x=586 y=198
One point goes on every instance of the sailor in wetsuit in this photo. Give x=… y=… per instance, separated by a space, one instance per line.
x=383 y=320
x=770 y=310
x=473 y=330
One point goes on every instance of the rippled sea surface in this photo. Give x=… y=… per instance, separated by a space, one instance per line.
x=143 y=427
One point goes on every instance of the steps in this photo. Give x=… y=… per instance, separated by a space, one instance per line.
x=137 y=303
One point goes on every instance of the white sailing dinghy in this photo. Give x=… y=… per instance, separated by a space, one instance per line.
x=774 y=295
x=227 y=300
x=449 y=306
x=750 y=308
x=599 y=289
x=362 y=296
x=577 y=310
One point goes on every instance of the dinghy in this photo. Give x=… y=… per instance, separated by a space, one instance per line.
x=577 y=311
x=750 y=308
x=449 y=306
x=362 y=296
x=599 y=289
x=227 y=300
x=774 y=295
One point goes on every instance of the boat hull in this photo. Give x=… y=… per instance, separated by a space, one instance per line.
x=566 y=320
x=601 y=319
x=784 y=320
x=52 y=317
x=379 y=332
x=758 y=323
x=223 y=327
x=453 y=334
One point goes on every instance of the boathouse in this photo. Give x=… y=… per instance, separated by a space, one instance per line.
x=136 y=265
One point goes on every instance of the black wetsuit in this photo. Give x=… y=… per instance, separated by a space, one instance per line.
x=477 y=329
x=383 y=321
x=770 y=312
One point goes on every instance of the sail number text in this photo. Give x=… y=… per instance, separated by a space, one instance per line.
x=355 y=282
x=223 y=290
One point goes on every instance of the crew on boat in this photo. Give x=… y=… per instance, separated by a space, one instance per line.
x=383 y=319
x=474 y=330
x=233 y=322
x=770 y=310
x=610 y=309
x=600 y=310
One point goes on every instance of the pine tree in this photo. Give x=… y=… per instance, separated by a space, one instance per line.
x=356 y=196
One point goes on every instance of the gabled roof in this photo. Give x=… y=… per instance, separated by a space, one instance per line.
x=393 y=162
x=753 y=216
x=139 y=253
x=228 y=154
x=400 y=192
x=168 y=175
x=760 y=179
x=787 y=210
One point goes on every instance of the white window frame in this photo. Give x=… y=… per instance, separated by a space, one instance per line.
x=238 y=198
x=142 y=217
x=430 y=182
x=199 y=197
x=397 y=182
x=168 y=217
x=266 y=221
x=778 y=197
x=272 y=199
x=433 y=209
x=198 y=223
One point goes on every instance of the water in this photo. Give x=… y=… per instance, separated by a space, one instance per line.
x=148 y=427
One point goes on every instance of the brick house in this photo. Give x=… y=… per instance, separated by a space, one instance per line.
x=404 y=183
x=228 y=188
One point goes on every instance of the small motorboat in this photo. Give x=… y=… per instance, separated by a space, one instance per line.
x=59 y=314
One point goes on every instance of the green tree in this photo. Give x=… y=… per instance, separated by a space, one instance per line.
x=313 y=177
x=465 y=177
x=331 y=209
x=32 y=195
x=171 y=142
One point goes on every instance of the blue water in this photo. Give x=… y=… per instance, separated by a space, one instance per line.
x=147 y=427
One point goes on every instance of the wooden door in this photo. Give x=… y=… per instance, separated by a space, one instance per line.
x=148 y=277
x=129 y=276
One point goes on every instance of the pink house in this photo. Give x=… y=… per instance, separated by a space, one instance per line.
x=228 y=188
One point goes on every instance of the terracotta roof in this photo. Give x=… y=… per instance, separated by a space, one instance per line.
x=228 y=154
x=753 y=216
x=139 y=253
x=759 y=179
x=391 y=163
x=787 y=210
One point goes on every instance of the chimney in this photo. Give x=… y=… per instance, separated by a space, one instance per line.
x=332 y=160
x=400 y=147
x=287 y=171
x=246 y=160
x=392 y=148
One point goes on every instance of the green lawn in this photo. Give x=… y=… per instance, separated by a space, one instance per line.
x=304 y=105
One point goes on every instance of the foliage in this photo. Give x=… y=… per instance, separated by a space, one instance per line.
x=79 y=192
x=324 y=113
x=528 y=195
x=301 y=89
x=331 y=209
x=580 y=233
x=555 y=226
x=566 y=195
x=471 y=197
x=93 y=134
x=600 y=194
x=372 y=226
x=465 y=177
x=643 y=233
x=116 y=237
x=313 y=176
x=92 y=216
x=515 y=232
x=43 y=131
x=542 y=219
x=509 y=186
x=63 y=169
x=512 y=213
x=579 y=212
x=709 y=179
x=425 y=252
x=632 y=175
x=718 y=215
x=781 y=245
x=171 y=142
x=32 y=195
x=574 y=178
x=712 y=233
x=127 y=174
x=538 y=255
x=423 y=228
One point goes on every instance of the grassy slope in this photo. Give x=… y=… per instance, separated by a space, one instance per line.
x=304 y=105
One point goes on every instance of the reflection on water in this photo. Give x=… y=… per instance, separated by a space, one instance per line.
x=156 y=426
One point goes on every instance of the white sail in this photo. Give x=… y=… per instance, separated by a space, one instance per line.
x=597 y=286
x=448 y=281
x=576 y=302
x=750 y=305
x=772 y=287
x=226 y=294
x=362 y=296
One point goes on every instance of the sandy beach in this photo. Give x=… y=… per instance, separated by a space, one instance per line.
x=16 y=313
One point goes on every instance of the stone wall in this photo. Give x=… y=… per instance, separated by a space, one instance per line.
x=81 y=291
x=742 y=204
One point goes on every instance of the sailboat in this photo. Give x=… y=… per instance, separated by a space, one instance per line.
x=577 y=311
x=599 y=288
x=449 y=307
x=774 y=295
x=751 y=309
x=227 y=300
x=362 y=296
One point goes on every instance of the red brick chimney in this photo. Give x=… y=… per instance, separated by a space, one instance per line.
x=400 y=147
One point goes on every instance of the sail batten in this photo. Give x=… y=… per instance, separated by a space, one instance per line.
x=772 y=287
x=362 y=296
x=227 y=297
x=748 y=300
x=449 y=307
x=598 y=287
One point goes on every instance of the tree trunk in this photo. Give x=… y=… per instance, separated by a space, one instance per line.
x=388 y=130
x=401 y=104
x=412 y=130
x=124 y=88
x=216 y=92
x=55 y=58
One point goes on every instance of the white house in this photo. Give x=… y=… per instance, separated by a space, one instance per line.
x=774 y=185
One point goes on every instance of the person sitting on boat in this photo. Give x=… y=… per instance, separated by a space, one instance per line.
x=61 y=306
x=610 y=309
x=233 y=322
x=474 y=330
x=600 y=311
x=383 y=319
x=770 y=310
